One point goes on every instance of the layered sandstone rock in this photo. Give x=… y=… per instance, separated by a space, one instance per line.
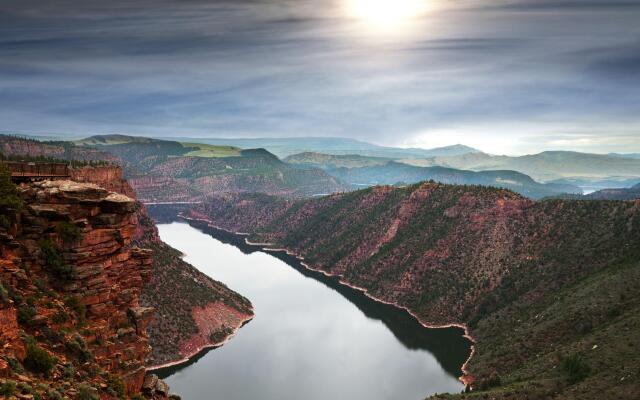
x=70 y=262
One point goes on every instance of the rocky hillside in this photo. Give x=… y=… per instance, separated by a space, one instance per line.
x=368 y=171
x=13 y=145
x=548 y=289
x=194 y=310
x=170 y=171
x=70 y=284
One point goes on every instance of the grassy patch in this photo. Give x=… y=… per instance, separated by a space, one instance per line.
x=211 y=151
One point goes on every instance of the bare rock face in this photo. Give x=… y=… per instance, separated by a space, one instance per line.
x=74 y=242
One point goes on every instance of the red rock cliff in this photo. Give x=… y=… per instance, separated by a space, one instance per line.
x=71 y=282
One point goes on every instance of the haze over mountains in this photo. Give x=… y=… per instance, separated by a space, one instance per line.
x=187 y=170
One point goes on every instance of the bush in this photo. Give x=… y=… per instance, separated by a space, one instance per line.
x=53 y=394
x=39 y=360
x=78 y=347
x=78 y=307
x=26 y=314
x=14 y=365
x=117 y=386
x=86 y=392
x=4 y=294
x=69 y=371
x=7 y=388
x=9 y=196
x=25 y=388
x=492 y=381
x=54 y=260
x=60 y=317
x=5 y=222
x=575 y=368
x=68 y=232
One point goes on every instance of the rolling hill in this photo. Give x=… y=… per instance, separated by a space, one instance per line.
x=168 y=171
x=545 y=166
x=369 y=171
x=284 y=147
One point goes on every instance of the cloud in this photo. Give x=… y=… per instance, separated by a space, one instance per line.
x=295 y=68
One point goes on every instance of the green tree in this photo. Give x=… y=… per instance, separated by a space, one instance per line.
x=9 y=197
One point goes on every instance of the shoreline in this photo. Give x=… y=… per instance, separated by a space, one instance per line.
x=467 y=378
x=199 y=350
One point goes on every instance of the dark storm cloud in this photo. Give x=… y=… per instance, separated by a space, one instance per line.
x=280 y=68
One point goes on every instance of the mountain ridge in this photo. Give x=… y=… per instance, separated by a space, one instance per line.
x=485 y=257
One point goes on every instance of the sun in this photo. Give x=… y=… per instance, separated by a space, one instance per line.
x=386 y=13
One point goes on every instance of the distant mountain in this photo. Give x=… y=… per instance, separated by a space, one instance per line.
x=166 y=171
x=284 y=147
x=631 y=193
x=626 y=155
x=106 y=140
x=546 y=166
x=369 y=171
x=593 y=185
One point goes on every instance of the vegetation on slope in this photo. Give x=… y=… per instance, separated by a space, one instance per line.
x=532 y=280
x=368 y=171
x=175 y=289
x=545 y=166
x=208 y=169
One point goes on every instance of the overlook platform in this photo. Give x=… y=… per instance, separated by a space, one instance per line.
x=23 y=171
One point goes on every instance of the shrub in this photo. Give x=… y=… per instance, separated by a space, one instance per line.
x=575 y=368
x=9 y=196
x=78 y=307
x=53 y=394
x=26 y=314
x=60 y=317
x=4 y=294
x=14 y=365
x=68 y=232
x=116 y=385
x=492 y=381
x=39 y=360
x=7 y=388
x=69 y=371
x=5 y=222
x=54 y=260
x=25 y=388
x=78 y=347
x=86 y=392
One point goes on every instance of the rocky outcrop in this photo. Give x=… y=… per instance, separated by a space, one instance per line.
x=106 y=176
x=71 y=282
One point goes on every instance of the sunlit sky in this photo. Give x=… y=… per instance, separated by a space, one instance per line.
x=504 y=76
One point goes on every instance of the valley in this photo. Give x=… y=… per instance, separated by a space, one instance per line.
x=523 y=271
x=523 y=276
x=314 y=332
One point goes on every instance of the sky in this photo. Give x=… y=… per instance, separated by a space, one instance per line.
x=504 y=76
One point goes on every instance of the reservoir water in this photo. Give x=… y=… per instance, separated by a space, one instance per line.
x=311 y=337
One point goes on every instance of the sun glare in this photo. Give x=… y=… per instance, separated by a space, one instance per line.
x=386 y=14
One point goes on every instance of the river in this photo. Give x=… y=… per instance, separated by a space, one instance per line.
x=311 y=337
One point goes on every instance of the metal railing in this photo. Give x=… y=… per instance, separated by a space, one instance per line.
x=37 y=170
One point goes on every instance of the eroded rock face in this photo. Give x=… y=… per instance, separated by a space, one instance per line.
x=74 y=242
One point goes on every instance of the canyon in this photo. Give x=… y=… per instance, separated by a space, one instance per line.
x=542 y=286
x=83 y=257
x=71 y=282
x=526 y=278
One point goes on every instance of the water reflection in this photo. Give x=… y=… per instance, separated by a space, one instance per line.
x=307 y=342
